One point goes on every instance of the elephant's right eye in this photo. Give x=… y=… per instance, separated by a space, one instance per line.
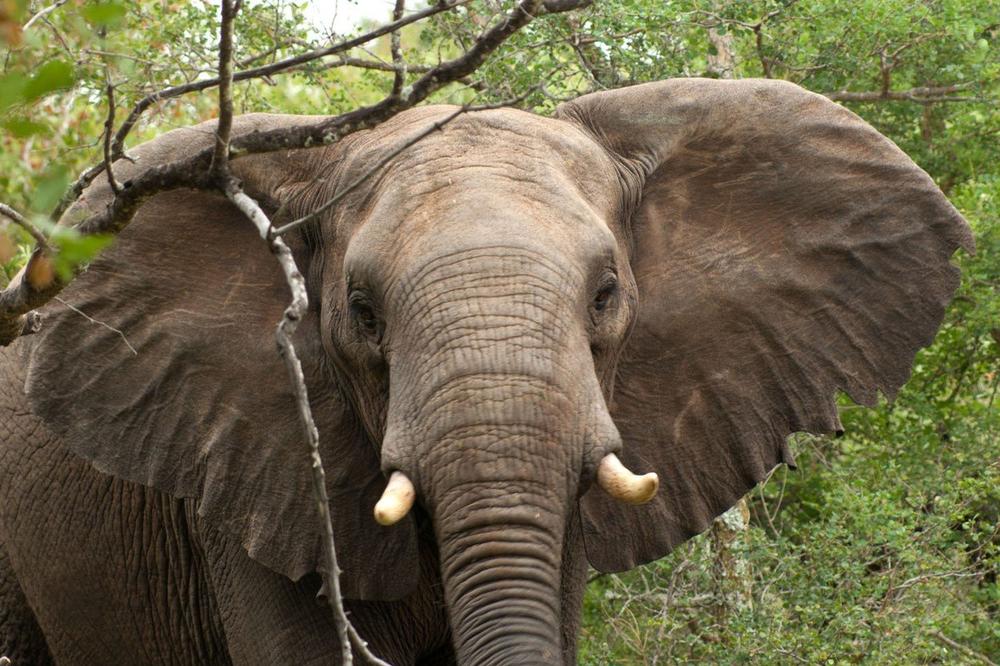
x=364 y=316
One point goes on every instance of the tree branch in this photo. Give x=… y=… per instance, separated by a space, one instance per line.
x=921 y=95
x=967 y=651
x=109 y=126
x=296 y=310
x=219 y=167
x=433 y=127
x=22 y=296
x=278 y=67
x=41 y=14
x=398 y=65
x=23 y=222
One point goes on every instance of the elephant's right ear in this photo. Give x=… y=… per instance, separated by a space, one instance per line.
x=159 y=365
x=783 y=251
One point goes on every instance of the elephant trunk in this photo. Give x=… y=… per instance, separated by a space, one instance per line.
x=500 y=559
x=498 y=466
x=494 y=423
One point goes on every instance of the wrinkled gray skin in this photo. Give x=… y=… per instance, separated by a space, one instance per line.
x=474 y=309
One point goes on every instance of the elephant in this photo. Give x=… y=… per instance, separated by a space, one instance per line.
x=534 y=343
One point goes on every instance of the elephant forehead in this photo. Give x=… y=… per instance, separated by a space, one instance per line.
x=501 y=156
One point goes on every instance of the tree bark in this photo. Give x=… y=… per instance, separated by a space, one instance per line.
x=729 y=536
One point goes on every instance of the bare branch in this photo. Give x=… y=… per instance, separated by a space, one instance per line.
x=109 y=127
x=433 y=127
x=275 y=67
x=280 y=66
x=361 y=63
x=220 y=156
x=193 y=172
x=286 y=329
x=967 y=651
x=99 y=323
x=293 y=314
x=399 y=66
x=921 y=95
x=23 y=222
x=41 y=14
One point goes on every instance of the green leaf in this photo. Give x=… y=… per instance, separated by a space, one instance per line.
x=21 y=128
x=76 y=249
x=53 y=75
x=50 y=189
x=72 y=247
x=12 y=89
x=105 y=14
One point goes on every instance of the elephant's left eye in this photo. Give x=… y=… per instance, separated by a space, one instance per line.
x=365 y=317
x=605 y=295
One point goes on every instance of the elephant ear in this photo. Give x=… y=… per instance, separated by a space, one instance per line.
x=783 y=251
x=159 y=365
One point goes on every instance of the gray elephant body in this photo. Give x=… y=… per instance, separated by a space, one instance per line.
x=119 y=573
x=680 y=273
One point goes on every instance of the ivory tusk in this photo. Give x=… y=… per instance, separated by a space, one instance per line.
x=396 y=501
x=620 y=483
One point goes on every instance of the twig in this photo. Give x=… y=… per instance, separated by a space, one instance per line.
x=275 y=67
x=23 y=222
x=921 y=95
x=280 y=66
x=293 y=314
x=433 y=127
x=109 y=126
x=99 y=323
x=967 y=651
x=286 y=328
x=220 y=156
x=430 y=129
x=395 y=47
x=41 y=14
x=346 y=61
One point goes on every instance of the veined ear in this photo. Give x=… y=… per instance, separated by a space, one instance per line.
x=173 y=380
x=784 y=250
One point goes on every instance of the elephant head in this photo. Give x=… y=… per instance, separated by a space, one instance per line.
x=676 y=274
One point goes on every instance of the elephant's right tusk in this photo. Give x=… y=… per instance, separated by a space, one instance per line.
x=396 y=501
x=620 y=483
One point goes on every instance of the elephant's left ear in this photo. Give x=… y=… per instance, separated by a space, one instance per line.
x=783 y=250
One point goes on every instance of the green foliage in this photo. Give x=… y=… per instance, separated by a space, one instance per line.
x=884 y=545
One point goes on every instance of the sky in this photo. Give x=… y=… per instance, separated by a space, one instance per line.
x=344 y=15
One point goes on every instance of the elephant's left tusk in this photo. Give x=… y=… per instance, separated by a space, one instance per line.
x=620 y=483
x=396 y=500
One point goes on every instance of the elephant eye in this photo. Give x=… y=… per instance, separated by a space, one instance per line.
x=364 y=316
x=605 y=295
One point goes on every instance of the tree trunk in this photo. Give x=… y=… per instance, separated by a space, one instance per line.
x=729 y=536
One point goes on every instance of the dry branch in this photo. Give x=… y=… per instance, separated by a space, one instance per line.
x=278 y=67
x=193 y=172
x=23 y=222
x=921 y=95
x=293 y=314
